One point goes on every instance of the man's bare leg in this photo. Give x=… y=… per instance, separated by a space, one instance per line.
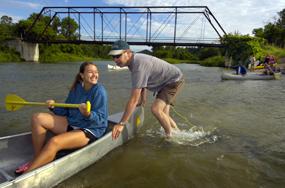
x=157 y=109
x=172 y=122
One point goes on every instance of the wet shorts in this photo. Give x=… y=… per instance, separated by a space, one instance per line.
x=89 y=135
x=169 y=92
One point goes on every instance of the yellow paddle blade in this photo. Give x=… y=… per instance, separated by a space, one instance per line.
x=14 y=102
x=138 y=121
x=138 y=118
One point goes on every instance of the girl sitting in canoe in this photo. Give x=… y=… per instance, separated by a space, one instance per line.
x=73 y=128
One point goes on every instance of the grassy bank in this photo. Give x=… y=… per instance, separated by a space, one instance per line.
x=215 y=61
x=63 y=57
x=72 y=53
x=176 y=61
x=278 y=53
x=9 y=55
x=76 y=53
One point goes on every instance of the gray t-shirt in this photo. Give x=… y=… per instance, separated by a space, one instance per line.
x=152 y=73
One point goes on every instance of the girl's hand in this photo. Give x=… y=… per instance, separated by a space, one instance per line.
x=50 y=103
x=83 y=109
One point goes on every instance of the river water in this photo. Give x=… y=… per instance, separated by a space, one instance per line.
x=232 y=132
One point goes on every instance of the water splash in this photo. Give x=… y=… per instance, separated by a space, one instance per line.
x=195 y=136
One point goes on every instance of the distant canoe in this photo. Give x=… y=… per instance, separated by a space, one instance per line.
x=115 y=67
x=248 y=76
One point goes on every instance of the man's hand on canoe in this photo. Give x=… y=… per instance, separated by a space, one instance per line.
x=117 y=129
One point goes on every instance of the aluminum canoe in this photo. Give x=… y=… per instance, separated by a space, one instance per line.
x=17 y=149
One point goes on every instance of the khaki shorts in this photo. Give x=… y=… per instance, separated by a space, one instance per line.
x=169 y=92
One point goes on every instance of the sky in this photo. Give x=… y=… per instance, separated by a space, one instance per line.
x=235 y=16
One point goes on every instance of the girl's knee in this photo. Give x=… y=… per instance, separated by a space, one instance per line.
x=39 y=118
x=36 y=117
x=53 y=144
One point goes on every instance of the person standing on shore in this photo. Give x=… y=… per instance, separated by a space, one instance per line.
x=154 y=74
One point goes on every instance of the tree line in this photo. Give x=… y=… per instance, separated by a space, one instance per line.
x=59 y=28
x=273 y=32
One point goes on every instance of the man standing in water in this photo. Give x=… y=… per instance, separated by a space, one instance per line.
x=148 y=72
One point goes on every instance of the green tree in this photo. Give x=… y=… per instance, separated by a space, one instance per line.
x=6 y=20
x=68 y=28
x=274 y=33
x=281 y=23
x=258 y=32
x=270 y=33
x=37 y=32
x=182 y=54
x=281 y=19
x=240 y=47
x=205 y=53
x=47 y=28
x=7 y=28
x=56 y=24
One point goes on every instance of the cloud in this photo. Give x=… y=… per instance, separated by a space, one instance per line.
x=145 y=3
x=20 y=4
x=242 y=15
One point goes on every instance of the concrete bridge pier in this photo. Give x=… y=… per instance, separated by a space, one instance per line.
x=28 y=51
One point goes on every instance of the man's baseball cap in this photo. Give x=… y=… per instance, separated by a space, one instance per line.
x=119 y=47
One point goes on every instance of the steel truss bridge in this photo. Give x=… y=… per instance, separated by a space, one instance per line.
x=138 y=25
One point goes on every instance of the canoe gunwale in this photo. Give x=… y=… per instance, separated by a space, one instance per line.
x=16 y=135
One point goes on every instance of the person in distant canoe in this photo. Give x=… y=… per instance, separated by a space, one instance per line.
x=73 y=127
x=148 y=72
x=240 y=69
x=269 y=65
x=251 y=65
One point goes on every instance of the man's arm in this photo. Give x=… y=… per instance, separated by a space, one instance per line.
x=130 y=107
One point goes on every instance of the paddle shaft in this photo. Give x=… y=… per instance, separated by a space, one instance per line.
x=44 y=104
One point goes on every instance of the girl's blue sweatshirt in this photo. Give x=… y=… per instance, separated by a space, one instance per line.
x=97 y=122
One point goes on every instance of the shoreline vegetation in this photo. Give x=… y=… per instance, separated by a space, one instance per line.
x=236 y=49
x=210 y=57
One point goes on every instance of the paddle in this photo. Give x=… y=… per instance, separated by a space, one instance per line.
x=277 y=75
x=14 y=102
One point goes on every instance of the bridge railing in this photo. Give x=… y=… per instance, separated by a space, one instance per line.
x=142 y=25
